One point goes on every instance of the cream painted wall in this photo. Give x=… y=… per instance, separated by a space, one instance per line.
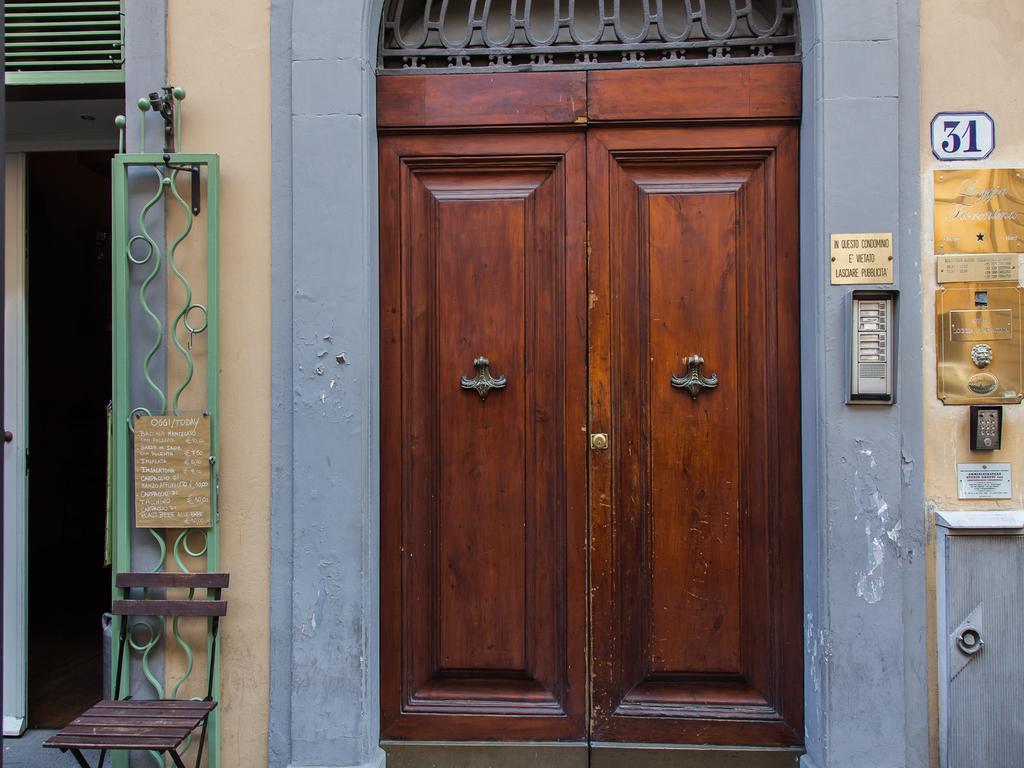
x=969 y=61
x=220 y=52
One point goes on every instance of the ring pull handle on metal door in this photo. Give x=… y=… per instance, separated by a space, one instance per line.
x=969 y=641
x=483 y=382
x=966 y=641
x=695 y=381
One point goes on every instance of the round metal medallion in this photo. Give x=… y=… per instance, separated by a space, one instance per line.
x=982 y=383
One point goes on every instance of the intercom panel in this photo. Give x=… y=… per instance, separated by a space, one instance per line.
x=871 y=326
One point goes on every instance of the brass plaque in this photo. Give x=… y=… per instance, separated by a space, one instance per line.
x=979 y=211
x=978 y=334
x=173 y=473
x=862 y=258
x=977 y=269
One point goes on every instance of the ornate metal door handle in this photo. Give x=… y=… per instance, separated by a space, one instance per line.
x=483 y=382
x=695 y=381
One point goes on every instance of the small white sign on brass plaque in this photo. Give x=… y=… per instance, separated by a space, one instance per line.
x=983 y=481
x=861 y=258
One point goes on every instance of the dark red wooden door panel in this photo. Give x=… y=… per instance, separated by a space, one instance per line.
x=483 y=500
x=695 y=509
x=683 y=578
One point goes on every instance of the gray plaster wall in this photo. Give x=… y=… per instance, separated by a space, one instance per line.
x=865 y=663
x=145 y=71
x=865 y=670
x=324 y=615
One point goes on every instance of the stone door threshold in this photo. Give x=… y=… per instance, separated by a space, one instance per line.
x=460 y=754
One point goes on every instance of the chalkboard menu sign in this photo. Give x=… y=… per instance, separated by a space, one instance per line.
x=172 y=471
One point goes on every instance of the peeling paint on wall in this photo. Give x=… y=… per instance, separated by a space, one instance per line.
x=881 y=531
x=817 y=652
x=871 y=583
x=907 y=465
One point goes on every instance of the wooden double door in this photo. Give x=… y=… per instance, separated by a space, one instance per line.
x=588 y=533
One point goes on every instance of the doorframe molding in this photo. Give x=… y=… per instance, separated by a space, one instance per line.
x=15 y=417
x=860 y=146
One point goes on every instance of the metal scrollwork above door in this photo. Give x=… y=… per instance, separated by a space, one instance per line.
x=449 y=35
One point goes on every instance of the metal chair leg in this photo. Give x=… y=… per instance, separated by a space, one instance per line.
x=202 y=742
x=80 y=758
x=103 y=756
x=177 y=760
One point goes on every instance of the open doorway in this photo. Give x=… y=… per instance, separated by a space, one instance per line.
x=69 y=388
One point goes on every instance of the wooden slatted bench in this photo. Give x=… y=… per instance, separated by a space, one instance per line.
x=162 y=725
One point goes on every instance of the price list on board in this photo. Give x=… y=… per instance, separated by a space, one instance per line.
x=173 y=471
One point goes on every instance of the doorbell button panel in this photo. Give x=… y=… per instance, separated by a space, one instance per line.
x=871 y=365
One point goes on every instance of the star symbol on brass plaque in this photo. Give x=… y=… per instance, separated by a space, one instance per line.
x=981 y=237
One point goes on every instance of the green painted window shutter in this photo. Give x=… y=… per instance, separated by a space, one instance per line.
x=63 y=42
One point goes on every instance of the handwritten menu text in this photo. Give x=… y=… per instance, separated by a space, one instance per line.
x=172 y=471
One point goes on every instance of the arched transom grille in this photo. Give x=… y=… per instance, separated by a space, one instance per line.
x=466 y=35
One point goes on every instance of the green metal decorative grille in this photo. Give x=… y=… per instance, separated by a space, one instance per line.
x=63 y=42
x=186 y=188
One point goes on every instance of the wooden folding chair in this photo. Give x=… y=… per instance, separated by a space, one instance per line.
x=161 y=725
